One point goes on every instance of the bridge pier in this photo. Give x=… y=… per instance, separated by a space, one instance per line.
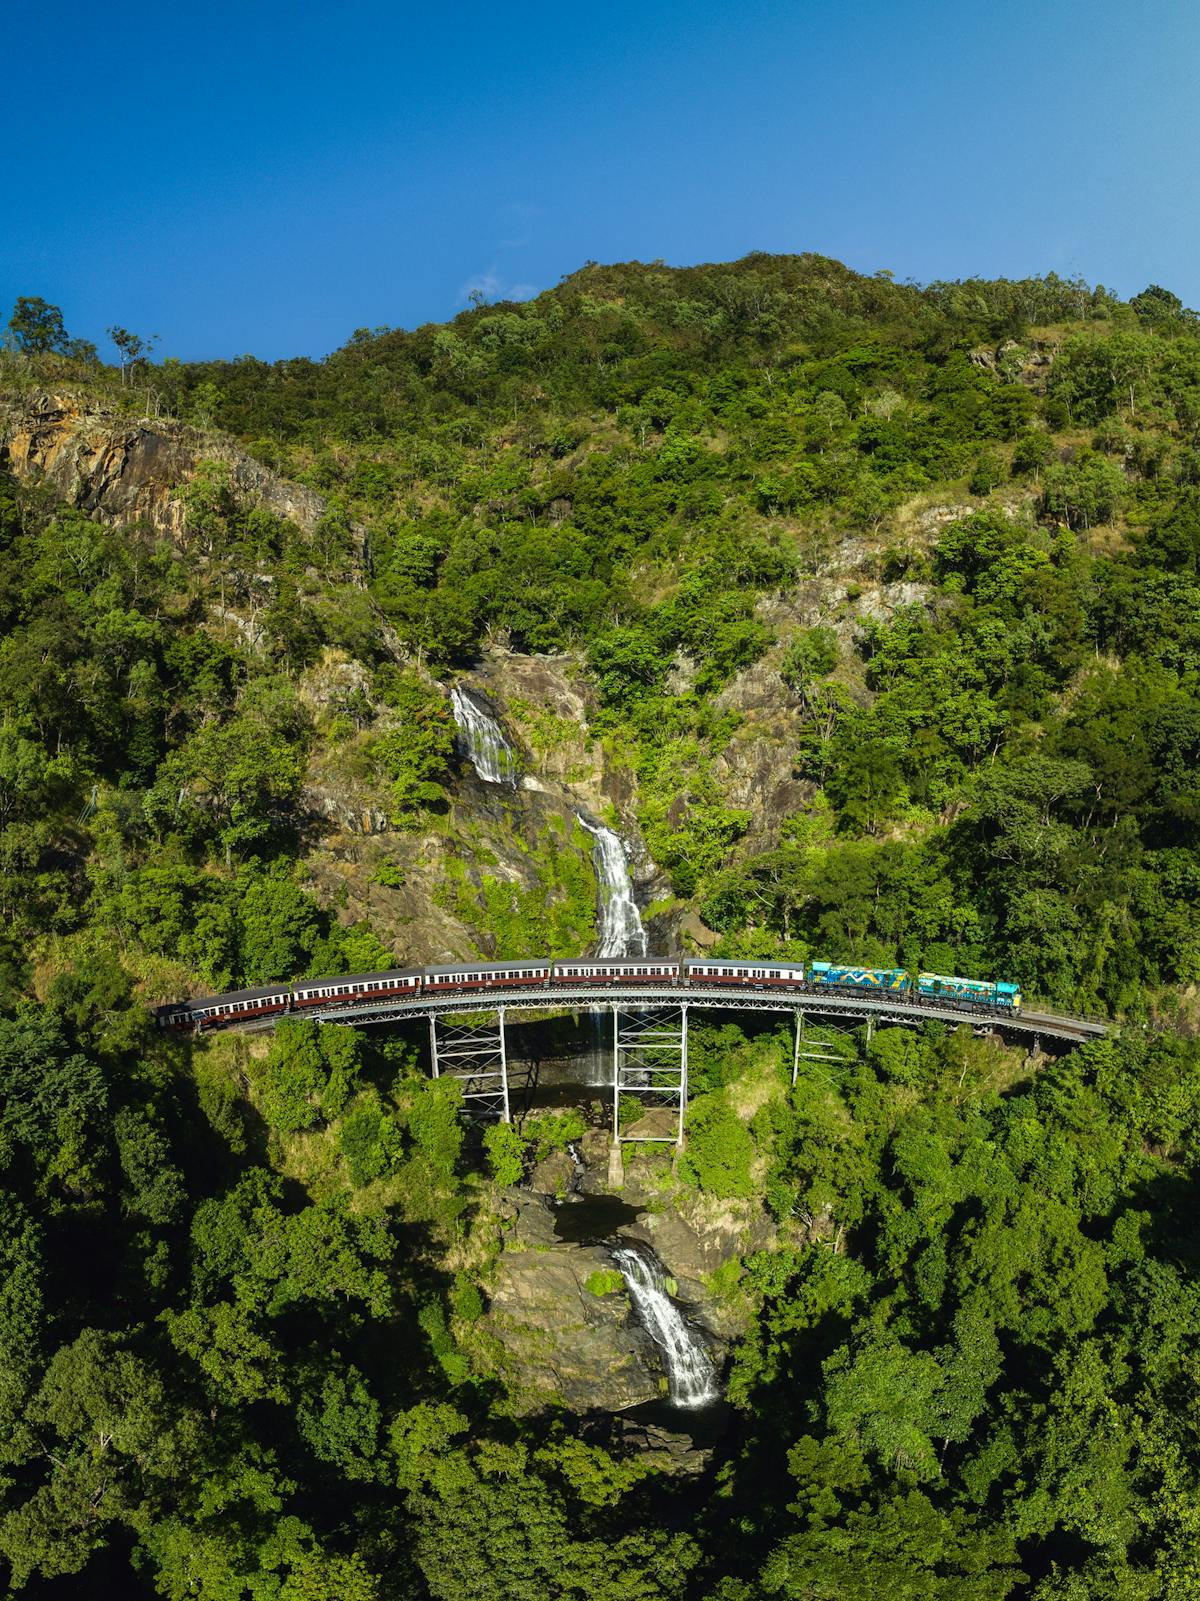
x=650 y=1060
x=475 y=1054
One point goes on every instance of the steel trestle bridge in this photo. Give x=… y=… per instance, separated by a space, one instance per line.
x=649 y=1032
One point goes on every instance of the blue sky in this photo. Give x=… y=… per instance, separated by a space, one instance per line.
x=265 y=177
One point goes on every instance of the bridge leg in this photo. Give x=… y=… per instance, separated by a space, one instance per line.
x=870 y=1028
x=616 y=1133
x=475 y=1055
x=650 y=1061
x=683 y=1076
x=796 y=1047
x=507 y=1113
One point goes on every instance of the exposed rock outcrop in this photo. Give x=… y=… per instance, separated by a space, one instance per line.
x=124 y=471
x=561 y=1341
x=694 y=1237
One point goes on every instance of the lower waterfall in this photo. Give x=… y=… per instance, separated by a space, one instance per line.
x=690 y=1372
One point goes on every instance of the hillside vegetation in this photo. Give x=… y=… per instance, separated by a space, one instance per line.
x=924 y=560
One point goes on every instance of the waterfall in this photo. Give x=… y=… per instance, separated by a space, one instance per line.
x=487 y=746
x=690 y=1372
x=621 y=931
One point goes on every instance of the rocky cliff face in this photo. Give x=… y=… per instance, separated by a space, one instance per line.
x=124 y=471
x=494 y=834
x=563 y=1325
x=560 y=1341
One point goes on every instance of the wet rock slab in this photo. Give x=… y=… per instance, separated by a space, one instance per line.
x=560 y=1341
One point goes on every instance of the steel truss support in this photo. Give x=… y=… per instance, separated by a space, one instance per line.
x=650 y=1060
x=473 y=1053
x=812 y=1050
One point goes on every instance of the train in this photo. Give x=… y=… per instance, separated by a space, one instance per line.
x=701 y=972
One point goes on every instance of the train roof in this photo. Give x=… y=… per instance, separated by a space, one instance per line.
x=260 y=994
x=612 y=961
x=740 y=961
x=488 y=967
x=357 y=978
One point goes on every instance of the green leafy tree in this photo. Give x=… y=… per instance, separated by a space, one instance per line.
x=37 y=326
x=133 y=350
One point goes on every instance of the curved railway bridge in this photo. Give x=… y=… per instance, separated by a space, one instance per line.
x=649 y=1033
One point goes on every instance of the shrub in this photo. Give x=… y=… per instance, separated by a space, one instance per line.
x=505 y=1153
x=719 y=1151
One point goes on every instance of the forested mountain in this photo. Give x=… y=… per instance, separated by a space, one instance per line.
x=870 y=614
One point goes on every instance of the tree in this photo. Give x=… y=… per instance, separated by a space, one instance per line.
x=133 y=349
x=828 y=417
x=812 y=654
x=1087 y=492
x=987 y=475
x=340 y=1419
x=37 y=326
x=416 y=753
x=1156 y=305
x=308 y=1073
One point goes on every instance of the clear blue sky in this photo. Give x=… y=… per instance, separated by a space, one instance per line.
x=266 y=177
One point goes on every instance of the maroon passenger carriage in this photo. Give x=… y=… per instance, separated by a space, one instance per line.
x=486 y=976
x=236 y=1007
x=757 y=975
x=350 y=988
x=618 y=970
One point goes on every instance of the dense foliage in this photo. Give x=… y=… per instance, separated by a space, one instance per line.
x=941 y=547
x=635 y=464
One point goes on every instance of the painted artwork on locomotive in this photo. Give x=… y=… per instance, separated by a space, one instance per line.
x=985 y=991
x=867 y=978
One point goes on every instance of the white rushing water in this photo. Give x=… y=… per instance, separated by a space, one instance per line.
x=690 y=1372
x=490 y=753
x=621 y=931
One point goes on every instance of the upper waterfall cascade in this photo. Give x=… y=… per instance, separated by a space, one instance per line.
x=621 y=931
x=490 y=753
x=690 y=1371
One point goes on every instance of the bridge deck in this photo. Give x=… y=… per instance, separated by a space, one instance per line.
x=629 y=997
